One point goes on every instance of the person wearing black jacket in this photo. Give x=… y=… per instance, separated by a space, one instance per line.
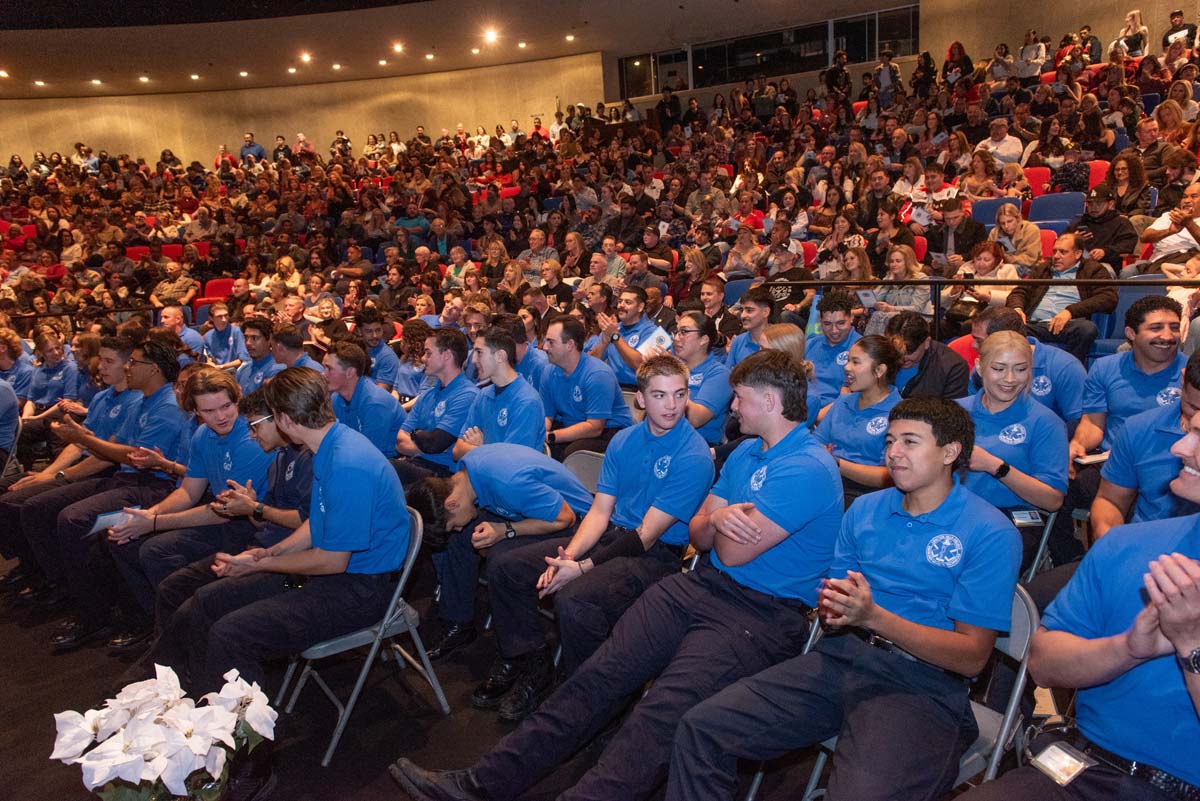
x=951 y=241
x=1104 y=233
x=928 y=368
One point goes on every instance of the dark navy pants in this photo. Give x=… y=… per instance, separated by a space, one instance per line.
x=901 y=725
x=587 y=608
x=1100 y=782
x=693 y=634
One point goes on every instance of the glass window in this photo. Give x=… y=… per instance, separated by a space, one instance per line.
x=636 y=76
x=898 y=31
x=856 y=36
x=709 y=64
x=670 y=69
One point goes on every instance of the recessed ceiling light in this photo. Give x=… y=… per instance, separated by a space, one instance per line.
x=3 y=73
x=244 y=74
x=490 y=35
x=337 y=66
x=637 y=63
x=475 y=50
x=383 y=62
x=195 y=77
x=306 y=57
x=521 y=45
x=144 y=78
x=96 y=81
x=429 y=56
x=39 y=83
x=699 y=66
x=292 y=70
x=570 y=37
x=398 y=47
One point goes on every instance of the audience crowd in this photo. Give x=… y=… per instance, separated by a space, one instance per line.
x=220 y=385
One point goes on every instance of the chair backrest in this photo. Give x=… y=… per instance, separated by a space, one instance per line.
x=1129 y=293
x=201 y=309
x=984 y=210
x=136 y=252
x=1153 y=198
x=1055 y=226
x=1038 y=177
x=586 y=467
x=218 y=288
x=920 y=247
x=202 y=248
x=12 y=466
x=637 y=412
x=1021 y=628
x=810 y=252
x=1056 y=206
x=1048 y=239
x=1150 y=101
x=1097 y=171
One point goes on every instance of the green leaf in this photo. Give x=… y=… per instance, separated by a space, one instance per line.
x=118 y=790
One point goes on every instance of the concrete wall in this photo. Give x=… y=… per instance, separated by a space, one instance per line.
x=194 y=124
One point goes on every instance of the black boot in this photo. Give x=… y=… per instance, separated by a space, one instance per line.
x=455 y=636
x=435 y=785
x=536 y=679
x=500 y=680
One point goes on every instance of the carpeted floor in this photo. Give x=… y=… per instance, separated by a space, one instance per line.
x=396 y=716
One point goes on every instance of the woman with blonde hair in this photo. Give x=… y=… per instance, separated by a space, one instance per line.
x=791 y=340
x=688 y=280
x=1181 y=92
x=1134 y=35
x=902 y=265
x=1020 y=456
x=1021 y=239
x=1171 y=125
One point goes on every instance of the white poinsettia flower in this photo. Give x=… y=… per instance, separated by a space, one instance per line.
x=214 y=763
x=202 y=727
x=248 y=701
x=121 y=756
x=183 y=764
x=75 y=732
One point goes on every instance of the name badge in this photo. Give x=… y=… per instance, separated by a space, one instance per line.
x=1062 y=762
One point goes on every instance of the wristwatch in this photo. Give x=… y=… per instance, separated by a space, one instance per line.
x=551 y=438
x=614 y=338
x=509 y=531
x=1191 y=662
x=1002 y=471
x=258 y=511
x=61 y=475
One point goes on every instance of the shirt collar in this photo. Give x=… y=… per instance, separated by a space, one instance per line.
x=796 y=439
x=945 y=515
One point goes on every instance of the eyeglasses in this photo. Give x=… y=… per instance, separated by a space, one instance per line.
x=683 y=332
x=140 y=361
x=260 y=421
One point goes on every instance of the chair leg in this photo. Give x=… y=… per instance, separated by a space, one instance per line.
x=1041 y=556
x=814 y=778
x=424 y=667
x=287 y=679
x=304 y=674
x=344 y=712
x=755 y=783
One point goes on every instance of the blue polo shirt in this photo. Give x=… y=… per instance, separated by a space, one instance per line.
x=590 y=392
x=252 y=374
x=160 y=423
x=956 y=563
x=1028 y=436
x=10 y=412
x=49 y=384
x=1058 y=380
x=307 y=361
x=289 y=486
x=20 y=376
x=743 y=345
x=534 y=366
x=385 y=365
x=708 y=385
x=857 y=435
x=772 y=481
x=411 y=380
x=671 y=472
x=1102 y=600
x=357 y=503
x=1141 y=460
x=829 y=366
x=234 y=456
x=443 y=407
x=519 y=483
x=373 y=412
x=634 y=335
x=510 y=414
x=109 y=410
x=193 y=340
x=1117 y=387
x=226 y=346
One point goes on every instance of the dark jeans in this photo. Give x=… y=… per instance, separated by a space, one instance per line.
x=1075 y=338
x=13 y=544
x=901 y=725
x=242 y=622
x=693 y=634
x=587 y=608
x=1081 y=491
x=39 y=520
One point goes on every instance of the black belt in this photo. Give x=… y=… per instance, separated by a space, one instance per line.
x=1157 y=778
x=884 y=644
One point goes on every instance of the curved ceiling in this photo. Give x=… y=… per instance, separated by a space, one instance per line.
x=72 y=14
x=432 y=36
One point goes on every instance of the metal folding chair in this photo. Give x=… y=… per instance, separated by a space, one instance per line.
x=586 y=467
x=400 y=618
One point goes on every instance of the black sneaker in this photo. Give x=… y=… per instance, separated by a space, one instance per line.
x=455 y=636
x=500 y=680
x=435 y=785
x=534 y=683
x=127 y=637
x=75 y=634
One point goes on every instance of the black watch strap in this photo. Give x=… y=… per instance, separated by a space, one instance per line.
x=259 y=509
x=1002 y=470
x=509 y=531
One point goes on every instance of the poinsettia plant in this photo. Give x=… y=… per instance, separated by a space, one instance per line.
x=153 y=742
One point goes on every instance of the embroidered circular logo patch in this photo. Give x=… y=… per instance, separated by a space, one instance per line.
x=842 y=358
x=660 y=467
x=502 y=418
x=1166 y=397
x=1014 y=434
x=577 y=394
x=944 y=550
x=440 y=409
x=695 y=379
x=756 y=480
x=633 y=340
x=1042 y=386
x=877 y=425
